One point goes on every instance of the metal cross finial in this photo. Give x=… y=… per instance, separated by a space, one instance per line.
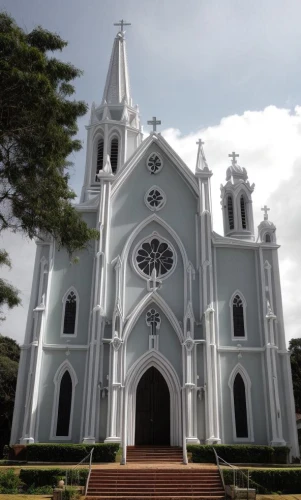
x=233 y=155
x=200 y=142
x=122 y=23
x=154 y=122
x=265 y=209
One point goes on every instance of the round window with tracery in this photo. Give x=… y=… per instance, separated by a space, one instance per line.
x=155 y=253
x=154 y=163
x=155 y=198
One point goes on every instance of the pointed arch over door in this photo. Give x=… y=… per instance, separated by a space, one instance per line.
x=241 y=405
x=65 y=381
x=157 y=360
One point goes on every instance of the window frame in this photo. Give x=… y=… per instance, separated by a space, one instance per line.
x=65 y=366
x=64 y=300
x=247 y=381
x=148 y=239
x=244 y=302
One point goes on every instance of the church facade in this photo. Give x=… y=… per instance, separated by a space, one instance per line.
x=164 y=332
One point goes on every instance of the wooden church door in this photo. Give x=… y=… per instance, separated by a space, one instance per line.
x=152 y=410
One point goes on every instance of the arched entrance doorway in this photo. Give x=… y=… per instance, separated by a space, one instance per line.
x=152 y=409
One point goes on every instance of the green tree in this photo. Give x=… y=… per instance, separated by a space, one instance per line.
x=295 y=349
x=9 y=295
x=9 y=359
x=38 y=124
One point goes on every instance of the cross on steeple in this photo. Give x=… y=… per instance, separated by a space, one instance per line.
x=200 y=142
x=265 y=209
x=122 y=23
x=154 y=122
x=233 y=155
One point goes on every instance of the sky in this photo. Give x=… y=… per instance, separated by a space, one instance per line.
x=227 y=71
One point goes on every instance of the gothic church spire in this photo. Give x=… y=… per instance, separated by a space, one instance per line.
x=117 y=88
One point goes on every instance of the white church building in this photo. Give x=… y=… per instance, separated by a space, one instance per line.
x=164 y=332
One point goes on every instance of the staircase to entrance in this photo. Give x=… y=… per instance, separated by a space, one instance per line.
x=154 y=454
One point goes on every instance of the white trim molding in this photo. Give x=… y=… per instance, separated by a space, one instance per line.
x=247 y=381
x=146 y=361
x=244 y=302
x=64 y=300
x=65 y=366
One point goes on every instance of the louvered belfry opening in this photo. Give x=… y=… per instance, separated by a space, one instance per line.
x=114 y=154
x=268 y=238
x=240 y=407
x=230 y=212
x=64 y=409
x=243 y=212
x=99 y=163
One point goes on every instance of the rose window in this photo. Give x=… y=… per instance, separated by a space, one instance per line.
x=155 y=254
x=155 y=198
x=154 y=163
x=153 y=318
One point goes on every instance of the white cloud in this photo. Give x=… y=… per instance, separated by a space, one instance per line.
x=268 y=142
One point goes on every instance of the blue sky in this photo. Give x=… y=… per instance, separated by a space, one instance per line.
x=228 y=70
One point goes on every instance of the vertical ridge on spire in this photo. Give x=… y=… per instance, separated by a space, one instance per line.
x=117 y=88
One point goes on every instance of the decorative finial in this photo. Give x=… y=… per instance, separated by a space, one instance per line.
x=122 y=23
x=154 y=122
x=200 y=143
x=201 y=163
x=233 y=155
x=265 y=209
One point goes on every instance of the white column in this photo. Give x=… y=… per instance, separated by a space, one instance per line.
x=98 y=308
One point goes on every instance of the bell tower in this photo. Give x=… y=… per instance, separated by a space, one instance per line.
x=114 y=132
x=236 y=201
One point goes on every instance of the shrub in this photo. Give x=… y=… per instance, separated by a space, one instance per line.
x=49 y=477
x=103 y=452
x=271 y=480
x=70 y=493
x=239 y=453
x=41 y=490
x=9 y=482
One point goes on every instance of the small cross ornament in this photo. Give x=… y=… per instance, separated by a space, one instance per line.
x=265 y=209
x=154 y=122
x=200 y=142
x=122 y=23
x=233 y=155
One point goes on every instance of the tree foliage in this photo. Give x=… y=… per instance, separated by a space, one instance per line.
x=37 y=134
x=9 y=359
x=9 y=295
x=295 y=349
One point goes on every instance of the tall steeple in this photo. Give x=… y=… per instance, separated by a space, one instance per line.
x=114 y=132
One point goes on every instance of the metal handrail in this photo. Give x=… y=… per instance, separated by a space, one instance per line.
x=219 y=469
x=90 y=467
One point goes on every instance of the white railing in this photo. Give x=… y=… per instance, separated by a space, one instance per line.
x=89 y=474
x=74 y=472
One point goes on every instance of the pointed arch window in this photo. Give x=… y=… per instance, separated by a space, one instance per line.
x=114 y=154
x=64 y=408
x=242 y=421
x=243 y=212
x=99 y=161
x=65 y=381
x=230 y=212
x=70 y=313
x=238 y=307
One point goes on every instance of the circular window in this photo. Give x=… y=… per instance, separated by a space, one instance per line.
x=155 y=198
x=154 y=163
x=154 y=253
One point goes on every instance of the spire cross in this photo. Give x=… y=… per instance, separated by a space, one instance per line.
x=200 y=142
x=122 y=23
x=265 y=209
x=154 y=122
x=233 y=155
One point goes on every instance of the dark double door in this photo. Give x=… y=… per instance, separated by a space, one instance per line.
x=152 y=410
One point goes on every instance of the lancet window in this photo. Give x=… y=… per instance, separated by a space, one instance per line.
x=99 y=161
x=64 y=406
x=240 y=407
x=238 y=317
x=243 y=212
x=114 y=154
x=70 y=313
x=230 y=212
